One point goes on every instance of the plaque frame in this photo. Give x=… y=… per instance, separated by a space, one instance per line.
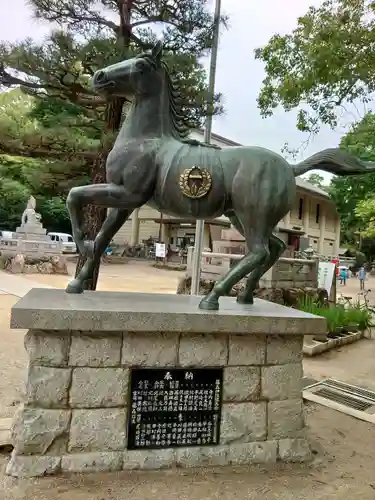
x=207 y=378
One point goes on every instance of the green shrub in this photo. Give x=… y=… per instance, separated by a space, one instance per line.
x=355 y=316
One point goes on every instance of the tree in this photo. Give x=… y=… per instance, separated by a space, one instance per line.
x=21 y=177
x=41 y=129
x=61 y=67
x=13 y=199
x=327 y=62
x=317 y=180
x=349 y=192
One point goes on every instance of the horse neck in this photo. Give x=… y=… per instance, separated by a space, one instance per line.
x=148 y=117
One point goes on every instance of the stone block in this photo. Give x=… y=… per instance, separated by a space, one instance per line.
x=204 y=456
x=95 y=351
x=149 y=459
x=47 y=348
x=203 y=350
x=99 y=387
x=153 y=350
x=37 y=431
x=285 y=418
x=243 y=423
x=282 y=381
x=34 y=466
x=97 y=430
x=247 y=350
x=48 y=387
x=294 y=450
x=284 y=349
x=92 y=462
x=261 y=452
x=241 y=383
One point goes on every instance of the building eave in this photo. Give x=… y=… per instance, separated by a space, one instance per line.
x=211 y=222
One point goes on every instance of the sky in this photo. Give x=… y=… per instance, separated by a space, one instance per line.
x=239 y=75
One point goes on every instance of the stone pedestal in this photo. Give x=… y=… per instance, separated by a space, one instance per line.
x=82 y=348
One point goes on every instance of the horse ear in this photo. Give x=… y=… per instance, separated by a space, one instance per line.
x=157 y=50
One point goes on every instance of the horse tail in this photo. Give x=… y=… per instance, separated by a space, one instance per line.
x=335 y=161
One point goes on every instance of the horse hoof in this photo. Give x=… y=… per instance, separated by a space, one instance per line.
x=209 y=304
x=242 y=299
x=74 y=286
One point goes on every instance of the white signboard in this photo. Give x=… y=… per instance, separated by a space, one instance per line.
x=326 y=271
x=160 y=250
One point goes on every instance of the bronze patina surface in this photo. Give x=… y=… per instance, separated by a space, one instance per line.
x=154 y=162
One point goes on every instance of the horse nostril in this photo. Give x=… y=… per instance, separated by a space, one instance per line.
x=100 y=76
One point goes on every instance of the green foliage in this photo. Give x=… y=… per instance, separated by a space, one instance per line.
x=54 y=214
x=317 y=180
x=94 y=35
x=365 y=211
x=55 y=115
x=49 y=181
x=350 y=194
x=325 y=63
x=339 y=317
x=13 y=199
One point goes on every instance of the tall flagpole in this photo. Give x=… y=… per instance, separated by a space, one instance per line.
x=199 y=231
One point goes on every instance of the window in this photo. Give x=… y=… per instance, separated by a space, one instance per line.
x=317 y=217
x=300 y=208
x=70 y=239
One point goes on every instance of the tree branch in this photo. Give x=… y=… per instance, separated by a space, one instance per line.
x=154 y=19
x=74 y=94
x=46 y=153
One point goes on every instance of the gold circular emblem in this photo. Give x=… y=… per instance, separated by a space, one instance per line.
x=195 y=182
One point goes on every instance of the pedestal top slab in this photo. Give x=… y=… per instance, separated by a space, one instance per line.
x=54 y=309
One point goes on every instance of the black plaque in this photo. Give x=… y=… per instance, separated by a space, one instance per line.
x=175 y=407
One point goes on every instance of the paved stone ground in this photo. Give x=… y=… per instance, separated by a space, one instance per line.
x=344 y=446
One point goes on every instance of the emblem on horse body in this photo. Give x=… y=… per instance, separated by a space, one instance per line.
x=195 y=182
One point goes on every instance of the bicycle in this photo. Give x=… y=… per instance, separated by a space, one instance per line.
x=345 y=300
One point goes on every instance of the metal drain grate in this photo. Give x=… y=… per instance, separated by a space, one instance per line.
x=351 y=389
x=346 y=398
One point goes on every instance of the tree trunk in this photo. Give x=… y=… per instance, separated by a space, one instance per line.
x=94 y=216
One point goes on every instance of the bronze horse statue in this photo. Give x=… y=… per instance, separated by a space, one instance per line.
x=154 y=162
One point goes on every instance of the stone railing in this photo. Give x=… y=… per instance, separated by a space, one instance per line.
x=34 y=248
x=286 y=273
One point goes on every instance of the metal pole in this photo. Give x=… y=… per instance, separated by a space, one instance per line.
x=199 y=231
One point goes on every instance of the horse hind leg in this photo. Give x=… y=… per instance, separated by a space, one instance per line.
x=258 y=253
x=277 y=248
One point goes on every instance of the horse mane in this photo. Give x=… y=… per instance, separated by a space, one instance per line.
x=180 y=124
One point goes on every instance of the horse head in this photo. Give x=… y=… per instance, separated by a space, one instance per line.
x=138 y=76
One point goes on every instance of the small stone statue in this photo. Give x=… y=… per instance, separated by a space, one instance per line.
x=29 y=215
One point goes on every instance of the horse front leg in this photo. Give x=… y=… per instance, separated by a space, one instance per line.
x=114 y=221
x=105 y=195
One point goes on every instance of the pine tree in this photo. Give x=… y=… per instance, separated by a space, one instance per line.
x=94 y=34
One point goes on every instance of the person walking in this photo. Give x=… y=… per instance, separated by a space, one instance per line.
x=343 y=276
x=362 y=277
